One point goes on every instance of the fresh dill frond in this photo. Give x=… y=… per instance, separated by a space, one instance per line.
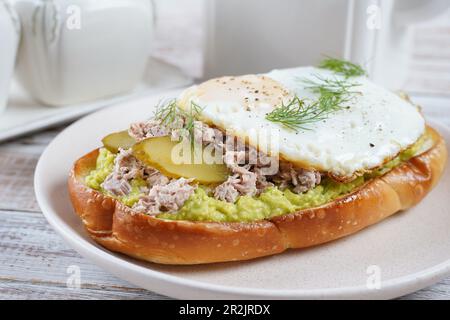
x=195 y=110
x=191 y=118
x=333 y=92
x=173 y=117
x=342 y=67
x=297 y=113
x=319 y=84
x=168 y=113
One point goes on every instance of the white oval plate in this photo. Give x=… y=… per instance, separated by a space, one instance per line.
x=406 y=252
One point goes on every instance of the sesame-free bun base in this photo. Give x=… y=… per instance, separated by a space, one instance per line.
x=116 y=227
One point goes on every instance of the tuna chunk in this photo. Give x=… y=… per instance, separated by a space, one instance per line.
x=226 y=191
x=247 y=166
x=154 y=177
x=116 y=185
x=126 y=168
x=254 y=171
x=242 y=182
x=236 y=185
x=165 y=198
x=148 y=129
x=302 y=180
x=262 y=181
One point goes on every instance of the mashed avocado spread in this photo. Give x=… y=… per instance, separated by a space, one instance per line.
x=272 y=202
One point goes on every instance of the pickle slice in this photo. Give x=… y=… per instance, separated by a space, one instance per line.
x=162 y=154
x=117 y=140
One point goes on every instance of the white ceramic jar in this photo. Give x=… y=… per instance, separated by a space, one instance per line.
x=77 y=51
x=9 y=40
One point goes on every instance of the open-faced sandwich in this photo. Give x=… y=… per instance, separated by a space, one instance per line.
x=242 y=167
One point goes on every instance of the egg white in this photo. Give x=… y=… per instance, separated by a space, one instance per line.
x=374 y=127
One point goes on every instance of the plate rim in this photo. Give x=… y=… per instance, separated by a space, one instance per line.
x=120 y=267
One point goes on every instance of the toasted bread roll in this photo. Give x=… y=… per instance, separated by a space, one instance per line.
x=118 y=228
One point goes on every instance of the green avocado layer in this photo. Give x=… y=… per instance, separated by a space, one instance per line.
x=272 y=202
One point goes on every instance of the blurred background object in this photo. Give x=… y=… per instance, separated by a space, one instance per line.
x=179 y=34
x=267 y=34
x=9 y=40
x=429 y=67
x=78 y=51
x=183 y=28
x=84 y=50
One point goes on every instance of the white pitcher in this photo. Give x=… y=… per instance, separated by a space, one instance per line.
x=9 y=40
x=77 y=51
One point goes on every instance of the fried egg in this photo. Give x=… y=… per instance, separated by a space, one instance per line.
x=373 y=127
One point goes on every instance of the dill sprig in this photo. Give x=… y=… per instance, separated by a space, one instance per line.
x=332 y=93
x=192 y=116
x=173 y=117
x=168 y=113
x=190 y=121
x=297 y=113
x=342 y=67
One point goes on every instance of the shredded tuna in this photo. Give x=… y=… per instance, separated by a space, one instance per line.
x=126 y=168
x=226 y=191
x=247 y=166
x=234 y=158
x=165 y=198
x=242 y=182
x=116 y=185
x=151 y=128
x=258 y=175
x=206 y=135
x=302 y=180
x=262 y=181
x=245 y=180
x=154 y=177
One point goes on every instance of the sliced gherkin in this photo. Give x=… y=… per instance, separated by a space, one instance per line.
x=117 y=140
x=163 y=154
